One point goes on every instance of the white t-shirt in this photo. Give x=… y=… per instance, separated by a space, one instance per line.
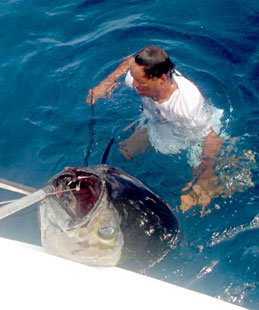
x=180 y=122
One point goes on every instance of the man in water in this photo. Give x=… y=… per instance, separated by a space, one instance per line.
x=175 y=117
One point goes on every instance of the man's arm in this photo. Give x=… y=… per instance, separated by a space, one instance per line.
x=204 y=185
x=211 y=148
x=106 y=87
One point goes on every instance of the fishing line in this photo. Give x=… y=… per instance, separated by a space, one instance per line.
x=88 y=149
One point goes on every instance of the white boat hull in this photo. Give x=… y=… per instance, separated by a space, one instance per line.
x=33 y=279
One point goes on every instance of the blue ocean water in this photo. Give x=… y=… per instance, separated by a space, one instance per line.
x=53 y=52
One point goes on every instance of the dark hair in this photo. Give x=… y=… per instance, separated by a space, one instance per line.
x=155 y=61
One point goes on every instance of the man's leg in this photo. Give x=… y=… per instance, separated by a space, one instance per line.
x=136 y=144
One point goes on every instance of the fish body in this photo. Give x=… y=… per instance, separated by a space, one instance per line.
x=102 y=216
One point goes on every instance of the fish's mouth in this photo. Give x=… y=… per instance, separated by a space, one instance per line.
x=78 y=191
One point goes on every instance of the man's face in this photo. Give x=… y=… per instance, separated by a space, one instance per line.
x=146 y=87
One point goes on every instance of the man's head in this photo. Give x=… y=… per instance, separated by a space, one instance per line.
x=150 y=70
x=154 y=60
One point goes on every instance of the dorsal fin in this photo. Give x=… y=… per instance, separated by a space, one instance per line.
x=106 y=152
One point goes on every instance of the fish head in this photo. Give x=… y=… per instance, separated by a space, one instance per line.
x=79 y=222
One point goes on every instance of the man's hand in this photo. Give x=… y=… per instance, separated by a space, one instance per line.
x=106 y=87
x=102 y=90
x=201 y=189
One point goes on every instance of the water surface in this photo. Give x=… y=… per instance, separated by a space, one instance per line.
x=52 y=53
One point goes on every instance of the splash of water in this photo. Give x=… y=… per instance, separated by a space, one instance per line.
x=230 y=233
x=236 y=294
x=203 y=272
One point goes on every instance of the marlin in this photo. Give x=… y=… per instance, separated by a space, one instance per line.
x=101 y=216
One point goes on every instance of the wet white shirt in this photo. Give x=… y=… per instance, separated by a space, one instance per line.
x=179 y=122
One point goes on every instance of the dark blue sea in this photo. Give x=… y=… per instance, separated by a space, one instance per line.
x=52 y=52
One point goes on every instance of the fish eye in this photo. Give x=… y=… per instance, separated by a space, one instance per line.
x=106 y=232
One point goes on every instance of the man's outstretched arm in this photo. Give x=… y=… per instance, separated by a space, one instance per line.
x=106 y=87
